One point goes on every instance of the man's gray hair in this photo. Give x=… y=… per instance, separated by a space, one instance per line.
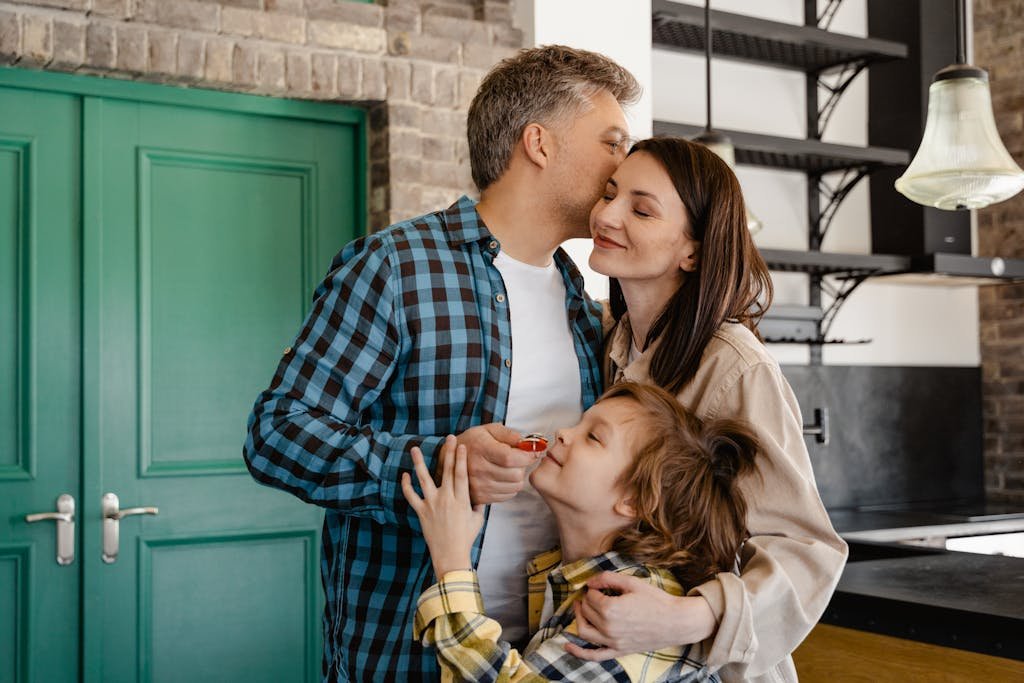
x=537 y=85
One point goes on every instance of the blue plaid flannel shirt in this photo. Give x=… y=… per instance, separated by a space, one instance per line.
x=406 y=341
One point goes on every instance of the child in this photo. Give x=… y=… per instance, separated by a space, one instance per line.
x=637 y=486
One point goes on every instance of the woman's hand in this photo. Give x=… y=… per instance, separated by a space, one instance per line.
x=641 y=618
x=450 y=521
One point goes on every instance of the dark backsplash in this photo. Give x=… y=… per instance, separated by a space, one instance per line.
x=898 y=435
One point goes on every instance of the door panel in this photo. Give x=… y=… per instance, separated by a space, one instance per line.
x=215 y=227
x=40 y=428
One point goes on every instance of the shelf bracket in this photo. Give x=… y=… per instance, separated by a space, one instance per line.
x=828 y=14
x=840 y=292
x=835 y=196
x=843 y=79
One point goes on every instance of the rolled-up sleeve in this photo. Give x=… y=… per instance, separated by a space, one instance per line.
x=793 y=559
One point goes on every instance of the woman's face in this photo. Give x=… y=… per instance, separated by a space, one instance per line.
x=640 y=228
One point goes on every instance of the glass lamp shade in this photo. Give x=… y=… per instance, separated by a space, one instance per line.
x=961 y=163
x=722 y=146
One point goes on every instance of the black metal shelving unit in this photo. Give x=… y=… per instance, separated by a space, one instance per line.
x=830 y=62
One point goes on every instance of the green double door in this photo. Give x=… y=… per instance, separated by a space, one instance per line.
x=158 y=249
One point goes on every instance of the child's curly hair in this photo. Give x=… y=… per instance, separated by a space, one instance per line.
x=691 y=514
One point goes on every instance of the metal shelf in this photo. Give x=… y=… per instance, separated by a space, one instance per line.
x=733 y=36
x=809 y=156
x=830 y=263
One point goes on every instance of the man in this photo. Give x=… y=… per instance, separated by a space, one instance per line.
x=469 y=321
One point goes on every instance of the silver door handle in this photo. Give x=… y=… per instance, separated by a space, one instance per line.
x=112 y=516
x=65 y=518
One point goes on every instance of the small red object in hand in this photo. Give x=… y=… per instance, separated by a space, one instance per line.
x=534 y=443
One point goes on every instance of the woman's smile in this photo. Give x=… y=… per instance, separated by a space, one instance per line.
x=606 y=243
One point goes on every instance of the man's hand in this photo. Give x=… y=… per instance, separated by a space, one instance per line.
x=450 y=523
x=497 y=469
x=641 y=618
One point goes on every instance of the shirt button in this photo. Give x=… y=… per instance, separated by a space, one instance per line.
x=500 y=298
x=287 y=351
x=508 y=362
x=493 y=244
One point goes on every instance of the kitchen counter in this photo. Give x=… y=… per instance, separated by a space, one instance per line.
x=961 y=600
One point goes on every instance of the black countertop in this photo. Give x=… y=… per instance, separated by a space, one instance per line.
x=967 y=601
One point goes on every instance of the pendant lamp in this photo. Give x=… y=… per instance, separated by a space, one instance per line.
x=719 y=143
x=962 y=162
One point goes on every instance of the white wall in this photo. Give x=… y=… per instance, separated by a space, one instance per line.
x=909 y=325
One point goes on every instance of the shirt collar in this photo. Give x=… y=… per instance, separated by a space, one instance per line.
x=618 y=352
x=463 y=224
x=576 y=574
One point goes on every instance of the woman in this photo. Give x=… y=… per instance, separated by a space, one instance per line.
x=687 y=288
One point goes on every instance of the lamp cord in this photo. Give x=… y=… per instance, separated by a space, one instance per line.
x=707 y=62
x=961 y=31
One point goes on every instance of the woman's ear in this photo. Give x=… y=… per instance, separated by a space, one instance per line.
x=691 y=259
x=536 y=141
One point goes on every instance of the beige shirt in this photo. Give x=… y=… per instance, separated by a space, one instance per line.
x=793 y=559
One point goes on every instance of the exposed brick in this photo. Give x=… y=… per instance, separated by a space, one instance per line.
x=420 y=46
x=324 y=74
x=115 y=9
x=68 y=43
x=252 y=4
x=463 y=30
x=271 y=69
x=439 y=173
x=37 y=39
x=239 y=22
x=469 y=82
x=100 y=50
x=347 y=36
x=350 y=77
x=404 y=143
x=286 y=6
x=10 y=36
x=402 y=20
x=244 y=62
x=439 y=122
x=446 y=91
x=438 y=148
x=483 y=56
x=422 y=82
x=191 y=56
x=200 y=16
x=507 y=36
x=360 y=13
x=132 y=52
x=405 y=115
x=449 y=10
x=398 y=79
x=283 y=28
x=298 y=72
x=62 y=4
x=163 y=51
x=218 y=60
x=497 y=12
x=374 y=80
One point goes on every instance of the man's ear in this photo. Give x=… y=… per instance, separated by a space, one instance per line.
x=536 y=141
x=692 y=260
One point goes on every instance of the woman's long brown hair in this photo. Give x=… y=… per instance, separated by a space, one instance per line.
x=731 y=281
x=691 y=516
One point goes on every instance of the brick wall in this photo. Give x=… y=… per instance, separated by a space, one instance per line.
x=999 y=48
x=414 y=64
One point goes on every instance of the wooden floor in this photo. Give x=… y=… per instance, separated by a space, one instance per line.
x=831 y=654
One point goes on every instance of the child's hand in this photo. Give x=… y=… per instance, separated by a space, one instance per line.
x=450 y=521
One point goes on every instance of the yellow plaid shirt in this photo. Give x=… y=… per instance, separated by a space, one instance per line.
x=450 y=617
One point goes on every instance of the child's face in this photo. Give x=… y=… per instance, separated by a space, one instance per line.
x=582 y=468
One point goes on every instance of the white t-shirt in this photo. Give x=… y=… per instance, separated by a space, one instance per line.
x=544 y=396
